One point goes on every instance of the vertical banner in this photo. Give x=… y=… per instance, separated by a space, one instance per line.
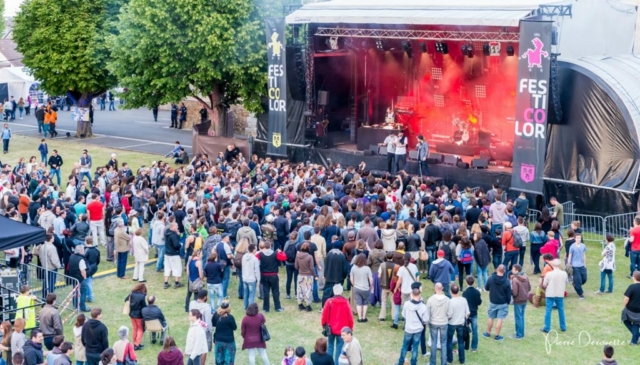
x=277 y=87
x=532 y=97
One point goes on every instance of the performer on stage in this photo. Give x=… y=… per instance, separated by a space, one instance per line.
x=390 y=143
x=390 y=118
x=423 y=152
x=401 y=151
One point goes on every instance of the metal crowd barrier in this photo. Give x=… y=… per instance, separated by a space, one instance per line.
x=42 y=282
x=592 y=226
x=619 y=225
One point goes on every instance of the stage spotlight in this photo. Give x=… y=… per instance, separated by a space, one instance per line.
x=464 y=49
x=470 y=51
x=406 y=46
x=379 y=45
x=486 y=49
x=510 y=50
x=442 y=47
x=423 y=47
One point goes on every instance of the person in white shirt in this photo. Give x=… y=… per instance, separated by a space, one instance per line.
x=407 y=275
x=71 y=190
x=389 y=142
x=401 y=152
x=458 y=312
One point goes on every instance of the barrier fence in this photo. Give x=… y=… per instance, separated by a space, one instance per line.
x=42 y=281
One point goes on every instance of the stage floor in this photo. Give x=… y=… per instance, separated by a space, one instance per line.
x=347 y=154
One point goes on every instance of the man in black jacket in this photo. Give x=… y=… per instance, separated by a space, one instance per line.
x=473 y=212
x=432 y=236
x=33 y=349
x=474 y=299
x=174 y=116
x=78 y=270
x=172 y=262
x=499 y=289
x=336 y=269
x=95 y=337
x=152 y=312
x=40 y=118
x=55 y=162
x=92 y=258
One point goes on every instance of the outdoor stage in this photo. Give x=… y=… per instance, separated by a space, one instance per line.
x=348 y=155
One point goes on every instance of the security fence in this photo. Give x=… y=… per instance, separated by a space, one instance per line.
x=42 y=282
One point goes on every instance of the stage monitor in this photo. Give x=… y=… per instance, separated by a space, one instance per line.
x=480 y=163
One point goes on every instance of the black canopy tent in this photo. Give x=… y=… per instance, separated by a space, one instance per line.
x=17 y=234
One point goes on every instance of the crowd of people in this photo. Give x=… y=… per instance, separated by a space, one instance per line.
x=326 y=230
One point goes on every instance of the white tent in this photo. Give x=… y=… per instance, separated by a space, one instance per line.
x=17 y=80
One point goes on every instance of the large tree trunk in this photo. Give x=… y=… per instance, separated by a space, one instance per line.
x=213 y=107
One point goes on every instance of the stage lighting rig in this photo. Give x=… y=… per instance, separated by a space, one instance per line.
x=379 y=45
x=406 y=46
x=486 y=49
x=441 y=47
x=510 y=51
x=467 y=50
x=423 y=47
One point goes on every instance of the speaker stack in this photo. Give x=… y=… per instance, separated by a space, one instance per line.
x=435 y=158
x=480 y=163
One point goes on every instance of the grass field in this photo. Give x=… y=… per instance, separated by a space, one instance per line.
x=591 y=322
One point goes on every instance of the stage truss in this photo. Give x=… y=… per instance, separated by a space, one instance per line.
x=436 y=35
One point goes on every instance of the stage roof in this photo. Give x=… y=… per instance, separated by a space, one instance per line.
x=503 y=13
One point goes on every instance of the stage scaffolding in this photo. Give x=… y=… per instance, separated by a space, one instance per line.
x=436 y=35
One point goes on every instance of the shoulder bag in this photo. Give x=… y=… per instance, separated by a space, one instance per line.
x=127 y=305
x=127 y=357
x=196 y=285
x=264 y=332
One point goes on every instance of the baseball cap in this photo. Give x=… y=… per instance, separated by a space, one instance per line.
x=416 y=285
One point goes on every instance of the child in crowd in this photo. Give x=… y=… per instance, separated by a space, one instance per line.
x=289 y=357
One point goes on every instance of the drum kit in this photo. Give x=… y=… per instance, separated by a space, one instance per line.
x=465 y=135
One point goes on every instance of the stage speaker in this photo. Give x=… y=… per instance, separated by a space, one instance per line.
x=413 y=155
x=382 y=150
x=450 y=160
x=295 y=72
x=462 y=165
x=374 y=149
x=368 y=153
x=480 y=163
x=435 y=158
x=323 y=97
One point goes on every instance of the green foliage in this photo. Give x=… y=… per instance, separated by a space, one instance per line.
x=167 y=50
x=1 y=17
x=64 y=43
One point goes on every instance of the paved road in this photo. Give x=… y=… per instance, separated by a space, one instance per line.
x=132 y=130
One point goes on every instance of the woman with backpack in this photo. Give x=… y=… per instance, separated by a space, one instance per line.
x=292 y=274
x=464 y=253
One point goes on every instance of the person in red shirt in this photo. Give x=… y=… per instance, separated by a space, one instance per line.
x=125 y=202
x=634 y=241
x=95 y=213
x=337 y=314
x=511 y=253
x=552 y=246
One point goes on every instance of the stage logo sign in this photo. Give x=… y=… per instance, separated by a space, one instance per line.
x=532 y=97
x=277 y=87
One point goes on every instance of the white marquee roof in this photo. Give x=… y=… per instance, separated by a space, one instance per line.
x=505 y=13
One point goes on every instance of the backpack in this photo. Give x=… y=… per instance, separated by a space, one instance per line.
x=222 y=256
x=13 y=200
x=232 y=229
x=448 y=254
x=466 y=256
x=197 y=244
x=112 y=228
x=517 y=240
x=291 y=252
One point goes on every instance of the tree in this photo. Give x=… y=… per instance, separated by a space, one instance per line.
x=1 y=17
x=63 y=43
x=213 y=51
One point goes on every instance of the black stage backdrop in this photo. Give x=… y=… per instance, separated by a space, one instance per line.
x=277 y=87
x=529 y=145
